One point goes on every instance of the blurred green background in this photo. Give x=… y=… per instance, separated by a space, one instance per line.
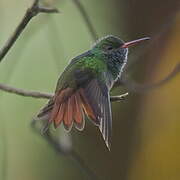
x=146 y=127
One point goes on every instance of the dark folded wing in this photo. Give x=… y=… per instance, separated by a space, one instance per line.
x=97 y=95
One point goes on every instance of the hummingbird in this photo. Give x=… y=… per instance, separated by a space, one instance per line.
x=83 y=89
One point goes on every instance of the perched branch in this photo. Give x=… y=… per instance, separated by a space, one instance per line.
x=87 y=21
x=36 y=94
x=120 y=97
x=30 y=13
x=129 y=84
x=26 y=93
x=141 y=88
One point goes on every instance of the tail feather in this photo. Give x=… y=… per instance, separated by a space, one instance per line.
x=68 y=109
x=59 y=116
x=67 y=121
x=69 y=106
x=78 y=113
x=65 y=118
x=54 y=113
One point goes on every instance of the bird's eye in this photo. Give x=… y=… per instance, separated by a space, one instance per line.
x=109 y=48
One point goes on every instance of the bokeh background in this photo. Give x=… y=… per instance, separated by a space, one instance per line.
x=146 y=126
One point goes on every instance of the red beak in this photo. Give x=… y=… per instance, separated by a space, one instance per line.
x=132 y=43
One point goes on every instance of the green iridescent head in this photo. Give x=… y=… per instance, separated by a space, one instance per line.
x=111 y=47
x=114 y=52
x=111 y=42
x=108 y=43
x=115 y=48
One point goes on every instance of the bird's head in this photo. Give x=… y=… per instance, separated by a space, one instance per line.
x=114 y=48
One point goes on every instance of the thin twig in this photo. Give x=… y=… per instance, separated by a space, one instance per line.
x=27 y=93
x=42 y=95
x=30 y=13
x=86 y=18
x=119 y=98
x=129 y=84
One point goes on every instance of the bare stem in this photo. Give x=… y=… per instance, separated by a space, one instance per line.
x=27 y=93
x=129 y=84
x=30 y=13
x=42 y=95
x=119 y=98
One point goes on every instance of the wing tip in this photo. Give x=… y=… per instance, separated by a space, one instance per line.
x=108 y=145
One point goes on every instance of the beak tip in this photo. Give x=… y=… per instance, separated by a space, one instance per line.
x=147 y=38
x=131 y=43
